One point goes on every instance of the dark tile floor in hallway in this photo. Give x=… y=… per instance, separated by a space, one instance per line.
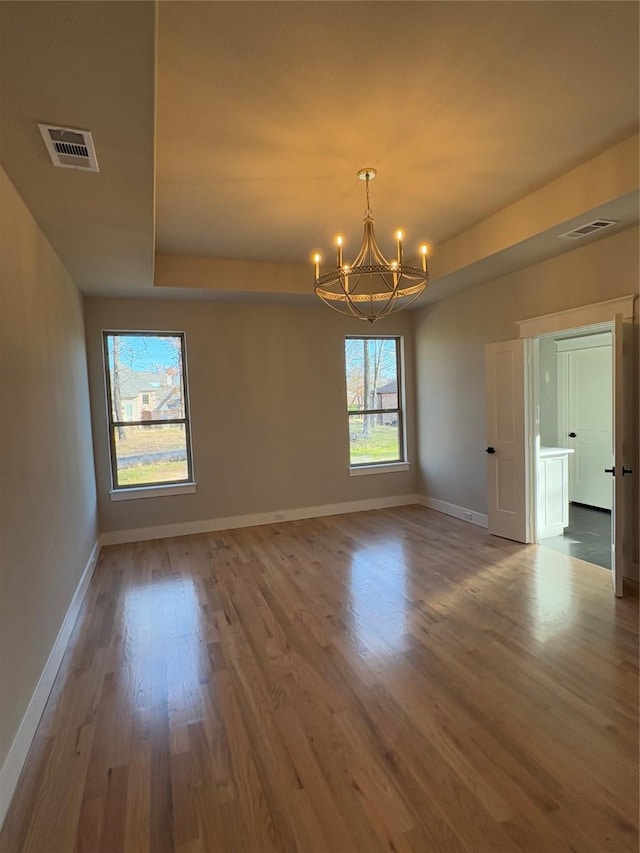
x=587 y=537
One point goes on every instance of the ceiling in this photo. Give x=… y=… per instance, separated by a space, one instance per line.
x=260 y=114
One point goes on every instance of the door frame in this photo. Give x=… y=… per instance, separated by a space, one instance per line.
x=599 y=316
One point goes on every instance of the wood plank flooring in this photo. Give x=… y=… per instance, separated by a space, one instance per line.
x=394 y=680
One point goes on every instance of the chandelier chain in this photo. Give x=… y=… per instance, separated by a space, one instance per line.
x=368 y=212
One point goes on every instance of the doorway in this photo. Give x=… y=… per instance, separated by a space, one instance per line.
x=575 y=443
x=513 y=429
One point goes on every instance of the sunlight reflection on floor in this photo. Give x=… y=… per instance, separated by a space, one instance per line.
x=163 y=643
x=553 y=598
x=378 y=589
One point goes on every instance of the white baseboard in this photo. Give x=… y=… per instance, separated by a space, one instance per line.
x=14 y=762
x=473 y=517
x=164 y=531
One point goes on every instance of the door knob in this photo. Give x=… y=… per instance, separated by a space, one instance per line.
x=572 y=435
x=626 y=471
x=610 y=471
x=490 y=450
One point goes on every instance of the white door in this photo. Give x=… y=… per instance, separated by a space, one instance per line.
x=589 y=422
x=619 y=472
x=506 y=456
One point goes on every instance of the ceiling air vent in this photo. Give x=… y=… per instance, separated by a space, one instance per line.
x=589 y=228
x=71 y=149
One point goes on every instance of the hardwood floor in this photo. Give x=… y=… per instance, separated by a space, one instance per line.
x=394 y=680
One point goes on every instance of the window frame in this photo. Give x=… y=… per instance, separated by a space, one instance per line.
x=401 y=462
x=170 y=486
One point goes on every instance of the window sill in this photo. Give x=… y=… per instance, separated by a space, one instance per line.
x=152 y=491
x=383 y=468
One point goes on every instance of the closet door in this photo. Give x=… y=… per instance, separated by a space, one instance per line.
x=589 y=425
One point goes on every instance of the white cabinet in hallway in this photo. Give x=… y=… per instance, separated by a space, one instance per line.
x=553 y=491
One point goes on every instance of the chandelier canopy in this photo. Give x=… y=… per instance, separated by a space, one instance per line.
x=371 y=286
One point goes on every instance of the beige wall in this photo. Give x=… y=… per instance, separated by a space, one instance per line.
x=47 y=487
x=449 y=345
x=268 y=409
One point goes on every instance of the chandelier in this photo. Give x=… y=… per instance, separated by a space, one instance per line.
x=371 y=286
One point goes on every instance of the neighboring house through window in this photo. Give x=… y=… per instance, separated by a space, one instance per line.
x=148 y=409
x=374 y=400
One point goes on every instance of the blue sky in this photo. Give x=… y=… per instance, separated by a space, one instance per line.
x=142 y=352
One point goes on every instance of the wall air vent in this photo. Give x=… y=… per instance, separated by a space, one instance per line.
x=71 y=149
x=589 y=228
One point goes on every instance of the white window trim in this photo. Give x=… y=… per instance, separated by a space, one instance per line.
x=159 y=491
x=381 y=468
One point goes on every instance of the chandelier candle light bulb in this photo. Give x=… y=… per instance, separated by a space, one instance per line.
x=371 y=286
x=394 y=273
x=424 y=251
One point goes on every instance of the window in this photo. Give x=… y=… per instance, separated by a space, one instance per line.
x=148 y=409
x=374 y=400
